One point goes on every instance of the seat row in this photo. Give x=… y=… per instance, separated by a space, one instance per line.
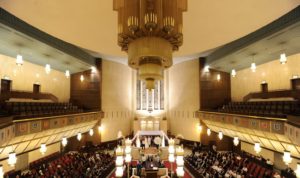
x=263 y=108
x=37 y=109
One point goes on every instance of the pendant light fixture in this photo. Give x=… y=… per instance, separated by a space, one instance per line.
x=91 y=132
x=287 y=159
x=200 y=128
x=297 y=171
x=67 y=73
x=93 y=69
x=64 y=141
x=206 y=69
x=233 y=73
x=100 y=128
x=208 y=131
x=19 y=60
x=79 y=136
x=220 y=135
x=12 y=159
x=283 y=58
x=43 y=148
x=47 y=68
x=236 y=141
x=257 y=147
x=253 y=65
x=1 y=171
x=150 y=31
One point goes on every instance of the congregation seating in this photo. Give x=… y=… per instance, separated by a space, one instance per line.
x=44 y=160
x=224 y=164
x=263 y=108
x=38 y=109
x=71 y=164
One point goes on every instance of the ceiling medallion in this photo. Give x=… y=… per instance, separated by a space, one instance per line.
x=149 y=31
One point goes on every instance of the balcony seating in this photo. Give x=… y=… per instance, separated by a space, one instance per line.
x=39 y=109
x=263 y=108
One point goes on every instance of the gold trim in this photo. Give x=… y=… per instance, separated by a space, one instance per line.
x=250 y=116
x=51 y=117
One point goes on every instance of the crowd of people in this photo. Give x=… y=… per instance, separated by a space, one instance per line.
x=212 y=164
x=74 y=164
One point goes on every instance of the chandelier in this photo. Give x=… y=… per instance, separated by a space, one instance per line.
x=149 y=31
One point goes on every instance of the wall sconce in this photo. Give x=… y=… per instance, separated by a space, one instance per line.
x=219 y=77
x=81 y=78
x=295 y=76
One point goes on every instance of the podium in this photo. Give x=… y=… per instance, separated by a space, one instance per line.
x=151 y=173
x=151 y=169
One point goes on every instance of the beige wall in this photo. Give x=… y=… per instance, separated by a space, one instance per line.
x=116 y=99
x=25 y=76
x=277 y=76
x=183 y=99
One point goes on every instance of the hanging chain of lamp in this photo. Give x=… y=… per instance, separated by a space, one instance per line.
x=149 y=31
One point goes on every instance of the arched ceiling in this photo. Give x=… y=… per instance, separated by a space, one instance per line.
x=92 y=24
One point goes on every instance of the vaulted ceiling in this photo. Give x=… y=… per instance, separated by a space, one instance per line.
x=92 y=24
